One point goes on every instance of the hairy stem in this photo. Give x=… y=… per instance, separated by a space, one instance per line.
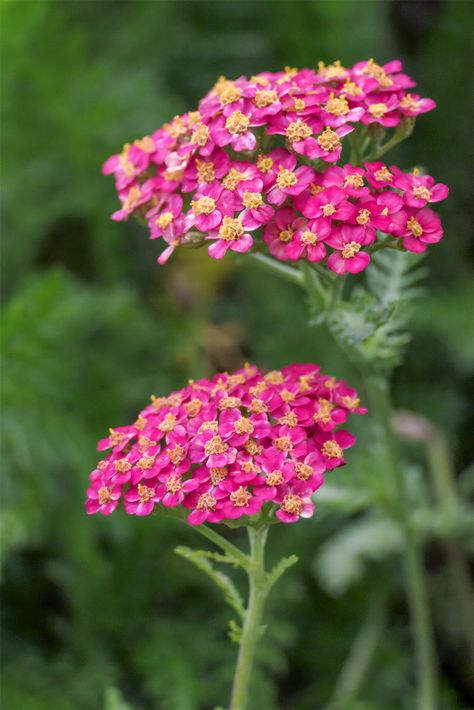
x=416 y=587
x=251 y=632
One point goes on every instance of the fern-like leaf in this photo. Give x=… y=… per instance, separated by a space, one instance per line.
x=200 y=558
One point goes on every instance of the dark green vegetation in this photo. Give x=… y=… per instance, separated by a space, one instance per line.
x=100 y=613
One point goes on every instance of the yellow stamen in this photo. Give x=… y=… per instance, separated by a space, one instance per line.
x=205 y=205
x=231 y=229
x=349 y=250
x=332 y=450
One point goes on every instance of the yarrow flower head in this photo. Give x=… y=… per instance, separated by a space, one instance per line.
x=260 y=149
x=224 y=448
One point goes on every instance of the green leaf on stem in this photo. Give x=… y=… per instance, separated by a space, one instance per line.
x=200 y=558
x=281 y=567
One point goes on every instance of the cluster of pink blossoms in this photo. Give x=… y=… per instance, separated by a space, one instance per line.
x=236 y=170
x=224 y=447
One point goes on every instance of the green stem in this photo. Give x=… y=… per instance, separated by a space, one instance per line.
x=416 y=586
x=251 y=632
x=276 y=267
x=231 y=550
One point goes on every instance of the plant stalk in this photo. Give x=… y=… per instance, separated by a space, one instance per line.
x=252 y=631
x=416 y=587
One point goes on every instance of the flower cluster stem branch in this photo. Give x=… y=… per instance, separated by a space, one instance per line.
x=231 y=550
x=252 y=630
x=417 y=592
x=276 y=267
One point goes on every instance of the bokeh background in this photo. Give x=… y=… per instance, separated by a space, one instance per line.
x=100 y=612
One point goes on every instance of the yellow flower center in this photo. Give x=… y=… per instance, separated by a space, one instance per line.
x=290 y=419
x=264 y=163
x=176 y=454
x=299 y=105
x=104 y=494
x=383 y=174
x=329 y=140
x=168 y=423
x=132 y=198
x=200 y=135
x=408 y=102
x=377 y=72
x=250 y=467
x=421 y=192
x=378 y=110
x=298 y=131
x=349 y=250
x=258 y=406
x=231 y=229
x=176 y=128
x=350 y=402
x=363 y=217
x=351 y=88
x=252 y=448
x=309 y=238
x=285 y=178
x=125 y=164
x=324 y=411
x=243 y=426
x=140 y=423
x=208 y=426
x=258 y=388
x=215 y=446
x=286 y=235
x=122 y=465
x=145 y=494
x=303 y=471
x=332 y=450
x=292 y=504
x=205 y=205
x=331 y=71
x=218 y=475
x=252 y=200
x=315 y=189
x=338 y=106
x=274 y=478
x=146 y=462
x=275 y=377
x=230 y=94
x=287 y=396
x=206 y=502
x=116 y=437
x=240 y=497
x=237 y=123
x=232 y=179
x=173 y=174
x=146 y=144
x=229 y=402
x=415 y=227
x=164 y=219
x=355 y=180
x=284 y=443
x=206 y=171
x=328 y=209
x=265 y=98
x=174 y=484
x=193 y=407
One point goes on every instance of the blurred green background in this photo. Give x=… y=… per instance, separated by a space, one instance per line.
x=99 y=612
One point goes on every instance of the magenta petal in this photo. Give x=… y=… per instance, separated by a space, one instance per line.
x=219 y=249
x=358 y=262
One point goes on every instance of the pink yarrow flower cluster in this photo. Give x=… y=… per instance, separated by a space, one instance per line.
x=223 y=448
x=255 y=167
